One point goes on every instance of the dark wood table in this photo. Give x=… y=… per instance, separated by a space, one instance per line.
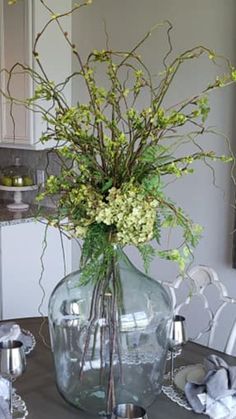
x=38 y=388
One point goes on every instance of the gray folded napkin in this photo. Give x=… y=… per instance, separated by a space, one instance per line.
x=215 y=395
x=4 y=409
x=4 y=399
x=12 y=331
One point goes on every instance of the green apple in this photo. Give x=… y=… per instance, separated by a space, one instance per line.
x=17 y=181
x=6 y=181
x=27 y=181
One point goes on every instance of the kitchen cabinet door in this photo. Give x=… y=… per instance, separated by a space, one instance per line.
x=19 y=25
x=22 y=262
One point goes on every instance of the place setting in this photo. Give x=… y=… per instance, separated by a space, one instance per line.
x=207 y=388
x=15 y=345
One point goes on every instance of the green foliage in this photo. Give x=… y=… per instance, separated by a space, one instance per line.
x=117 y=155
x=97 y=254
x=204 y=108
x=148 y=253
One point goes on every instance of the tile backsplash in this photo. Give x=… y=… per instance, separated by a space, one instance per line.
x=35 y=160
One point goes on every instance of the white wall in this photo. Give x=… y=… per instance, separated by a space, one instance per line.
x=211 y=23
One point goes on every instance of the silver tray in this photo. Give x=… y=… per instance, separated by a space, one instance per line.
x=19 y=407
x=173 y=392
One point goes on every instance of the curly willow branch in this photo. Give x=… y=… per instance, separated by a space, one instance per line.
x=40 y=282
x=111 y=143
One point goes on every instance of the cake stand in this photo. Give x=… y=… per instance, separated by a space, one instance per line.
x=18 y=204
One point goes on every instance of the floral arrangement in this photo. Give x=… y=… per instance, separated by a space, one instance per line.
x=115 y=153
x=118 y=146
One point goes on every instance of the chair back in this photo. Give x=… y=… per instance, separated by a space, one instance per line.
x=210 y=313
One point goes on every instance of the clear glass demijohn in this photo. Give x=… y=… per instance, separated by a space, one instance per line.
x=109 y=339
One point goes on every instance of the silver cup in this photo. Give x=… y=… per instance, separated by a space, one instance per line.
x=177 y=339
x=178 y=333
x=128 y=411
x=12 y=363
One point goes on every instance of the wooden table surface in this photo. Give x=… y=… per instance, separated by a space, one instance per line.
x=38 y=387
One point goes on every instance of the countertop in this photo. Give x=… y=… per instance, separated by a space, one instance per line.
x=15 y=217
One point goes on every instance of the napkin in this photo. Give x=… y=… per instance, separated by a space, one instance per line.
x=4 y=397
x=215 y=394
x=4 y=409
x=12 y=331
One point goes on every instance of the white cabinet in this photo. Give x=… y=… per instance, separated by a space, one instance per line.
x=21 y=249
x=15 y=47
x=19 y=25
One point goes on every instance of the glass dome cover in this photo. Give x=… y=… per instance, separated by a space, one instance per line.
x=17 y=175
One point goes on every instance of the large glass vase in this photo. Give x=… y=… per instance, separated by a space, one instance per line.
x=109 y=336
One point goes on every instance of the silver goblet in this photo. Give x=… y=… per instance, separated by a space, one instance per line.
x=177 y=340
x=128 y=411
x=12 y=363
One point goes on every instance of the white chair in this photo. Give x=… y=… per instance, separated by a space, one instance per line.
x=210 y=313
